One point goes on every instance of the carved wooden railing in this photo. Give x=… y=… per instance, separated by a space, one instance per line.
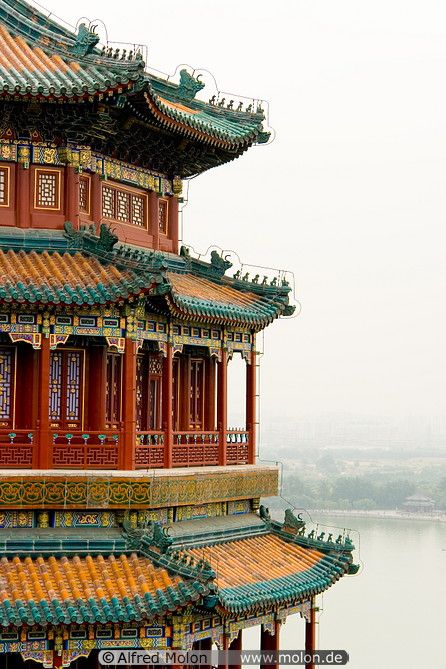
x=85 y=450
x=149 y=451
x=237 y=447
x=195 y=448
x=100 y=449
x=17 y=449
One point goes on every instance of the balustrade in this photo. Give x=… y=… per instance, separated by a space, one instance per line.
x=237 y=447
x=100 y=450
x=92 y=450
x=149 y=450
x=192 y=449
x=17 y=449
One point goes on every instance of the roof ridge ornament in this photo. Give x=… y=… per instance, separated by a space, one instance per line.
x=189 y=85
x=86 y=40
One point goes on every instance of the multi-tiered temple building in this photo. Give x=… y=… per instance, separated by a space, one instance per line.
x=129 y=509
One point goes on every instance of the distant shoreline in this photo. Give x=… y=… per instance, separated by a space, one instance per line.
x=384 y=514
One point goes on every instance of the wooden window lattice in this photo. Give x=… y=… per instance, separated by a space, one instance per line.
x=47 y=189
x=113 y=390
x=66 y=378
x=148 y=392
x=162 y=216
x=6 y=386
x=4 y=186
x=123 y=206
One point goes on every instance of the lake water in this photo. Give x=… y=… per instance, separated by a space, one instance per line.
x=392 y=614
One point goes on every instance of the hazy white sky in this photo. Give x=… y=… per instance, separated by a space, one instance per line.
x=350 y=196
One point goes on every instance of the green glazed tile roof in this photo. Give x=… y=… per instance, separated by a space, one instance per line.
x=40 y=57
x=195 y=296
x=265 y=570
x=68 y=278
x=220 y=122
x=49 y=267
x=119 y=588
x=37 y=58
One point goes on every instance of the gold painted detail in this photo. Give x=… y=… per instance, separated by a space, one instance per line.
x=94 y=492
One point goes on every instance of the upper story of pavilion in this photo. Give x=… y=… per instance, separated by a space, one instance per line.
x=89 y=136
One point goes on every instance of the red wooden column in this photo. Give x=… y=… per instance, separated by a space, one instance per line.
x=72 y=195
x=43 y=413
x=310 y=633
x=225 y=646
x=173 y=222
x=251 y=406
x=209 y=383
x=206 y=644
x=153 y=214
x=270 y=642
x=236 y=644
x=222 y=404
x=129 y=404
x=167 y=406
x=98 y=387
x=23 y=196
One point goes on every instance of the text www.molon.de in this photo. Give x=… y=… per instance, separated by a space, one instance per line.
x=213 y=658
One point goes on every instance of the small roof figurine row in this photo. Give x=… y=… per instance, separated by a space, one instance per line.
x=117 y=54
x=222 y=103
x=273 y=282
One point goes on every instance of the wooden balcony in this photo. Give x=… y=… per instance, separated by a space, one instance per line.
x=195 y=449
x=149 y=453
x=237 y=447
x=191 y=448
x=86 y=450
x=17 y=449
x=103 y=449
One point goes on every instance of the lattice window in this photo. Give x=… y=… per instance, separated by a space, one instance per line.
x=154 y=403
x=4 y=186
x=162 y=216
x=108 y=202
x=196 y=411
x=124 y=206
x=84 y=195
x=155 y=365
x=55 y=386
x=113 y=390
x=6 y=386
x=73 y=386
x=138 y=210
x=66 y=389
x=148 y=392
x=47 y=193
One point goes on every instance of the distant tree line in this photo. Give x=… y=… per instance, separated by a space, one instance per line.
x=323 y=485
x=347 y=492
